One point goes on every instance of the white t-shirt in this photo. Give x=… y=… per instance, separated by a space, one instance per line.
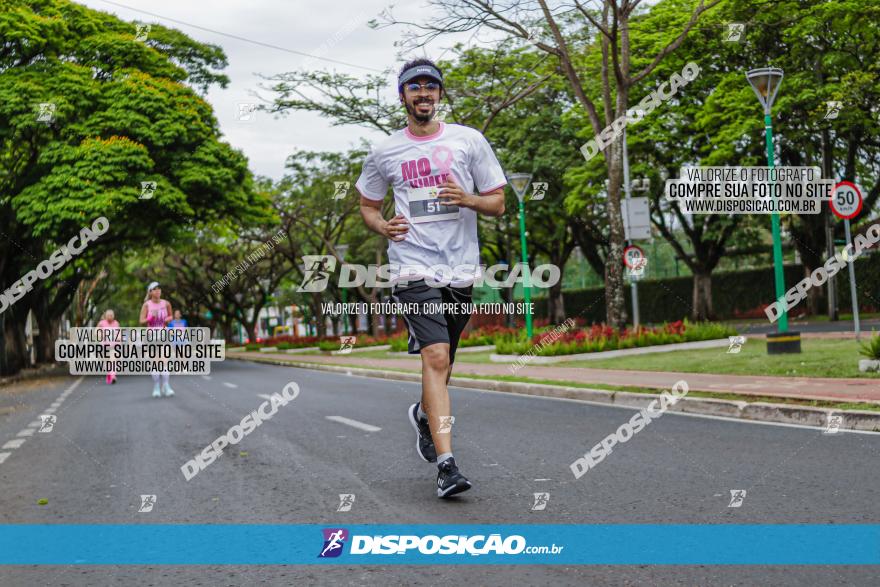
x=438 y=235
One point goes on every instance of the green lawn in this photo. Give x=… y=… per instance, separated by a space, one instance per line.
x=808 y=319
x=820 y=358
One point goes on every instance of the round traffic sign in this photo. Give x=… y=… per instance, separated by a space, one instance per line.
x=632 y=256
x=846 y=200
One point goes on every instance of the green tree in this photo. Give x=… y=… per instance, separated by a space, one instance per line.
x=571 y=37
x=123 y=112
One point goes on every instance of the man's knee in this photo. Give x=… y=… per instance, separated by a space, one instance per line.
x=436 y=356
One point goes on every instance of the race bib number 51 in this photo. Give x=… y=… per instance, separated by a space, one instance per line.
x=425 y=206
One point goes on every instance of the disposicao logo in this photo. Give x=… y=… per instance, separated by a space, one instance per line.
x=334 y=540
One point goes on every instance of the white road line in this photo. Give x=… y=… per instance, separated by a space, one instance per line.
x=29 y=431
x=354 y=423
x=232 y=385
x=264 y=396
x=206 y=377
x=74 y=385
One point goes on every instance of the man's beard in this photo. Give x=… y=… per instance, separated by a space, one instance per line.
x=422 y=118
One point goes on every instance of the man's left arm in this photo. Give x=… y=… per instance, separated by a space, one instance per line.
x=489 y=180
x=490 y=204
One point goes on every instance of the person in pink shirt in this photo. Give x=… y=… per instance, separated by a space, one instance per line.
x=156 y=313
x=108 y=320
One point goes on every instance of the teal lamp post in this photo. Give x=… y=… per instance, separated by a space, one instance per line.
x=765 y=82
x=520 y=183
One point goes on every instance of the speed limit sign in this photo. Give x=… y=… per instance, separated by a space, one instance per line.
x=846 y=200
x=633 y=257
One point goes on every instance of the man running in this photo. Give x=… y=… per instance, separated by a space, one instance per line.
x=442 y=176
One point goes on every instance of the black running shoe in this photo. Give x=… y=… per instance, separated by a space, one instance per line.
x=424 y=442
x=450 y=480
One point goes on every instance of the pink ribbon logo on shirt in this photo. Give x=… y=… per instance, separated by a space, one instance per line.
x=442 y=158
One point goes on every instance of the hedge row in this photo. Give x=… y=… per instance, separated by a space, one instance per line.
x=740 y=294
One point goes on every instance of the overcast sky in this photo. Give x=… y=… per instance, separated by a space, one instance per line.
x=309 y=26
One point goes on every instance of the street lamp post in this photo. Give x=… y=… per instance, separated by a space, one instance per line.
x=765 y=82
x=520 y=183
x=342 y=249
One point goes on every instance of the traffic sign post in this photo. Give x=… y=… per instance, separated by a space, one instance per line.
x=634 y=287
x=635 y=260
x=846 y=203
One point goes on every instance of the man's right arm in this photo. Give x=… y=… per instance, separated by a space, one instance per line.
x=374 y=183
x=394 y=229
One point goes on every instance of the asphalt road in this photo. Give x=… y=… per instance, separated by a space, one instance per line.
x=111 y=444
x=765 y=327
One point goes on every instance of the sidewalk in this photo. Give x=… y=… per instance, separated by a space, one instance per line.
x=809 y=388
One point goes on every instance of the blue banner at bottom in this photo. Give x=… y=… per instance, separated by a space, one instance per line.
x=429 y=544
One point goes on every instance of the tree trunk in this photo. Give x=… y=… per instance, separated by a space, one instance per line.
x=14 y=356
x=250 y=327
x=318 y=313
x=374 y=318
x=556 y=304
x=813 y=296
x=702 y=298
x=226 y=327
x=615 y=303
x=45 y=342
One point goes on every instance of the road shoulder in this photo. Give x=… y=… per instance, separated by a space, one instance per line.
x=762 y=411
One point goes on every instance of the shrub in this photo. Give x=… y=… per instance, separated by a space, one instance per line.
x=871 y=347
x=253 y=346
x=399 y=343
x=362 y=340
x=485 y=335
x=600 y=337
x=283 y=346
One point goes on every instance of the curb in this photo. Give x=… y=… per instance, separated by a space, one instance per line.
x=305 y=349
x=40 y=371
x=757 y=411
x=460 y=350
x=363 y=349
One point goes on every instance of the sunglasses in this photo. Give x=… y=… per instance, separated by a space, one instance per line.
x=414 y=87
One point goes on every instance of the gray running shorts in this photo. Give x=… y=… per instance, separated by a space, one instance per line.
x=427 y=327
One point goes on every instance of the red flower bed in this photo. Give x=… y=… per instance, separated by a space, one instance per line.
x=485 y=335
x=296 y=341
